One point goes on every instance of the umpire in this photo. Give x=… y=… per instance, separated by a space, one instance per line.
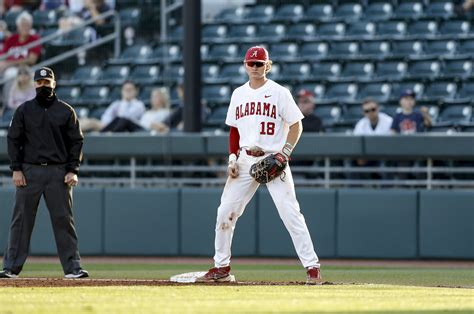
x=45 y=150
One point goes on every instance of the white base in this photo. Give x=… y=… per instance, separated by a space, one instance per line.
x=193 y=276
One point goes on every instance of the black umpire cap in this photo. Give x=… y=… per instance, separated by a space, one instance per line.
x=44 y=73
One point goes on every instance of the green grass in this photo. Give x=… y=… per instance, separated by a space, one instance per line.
x=367 y=290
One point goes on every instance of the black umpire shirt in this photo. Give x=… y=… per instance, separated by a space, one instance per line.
x=45 y=131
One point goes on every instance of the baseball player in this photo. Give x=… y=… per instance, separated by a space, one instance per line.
x=264 y=119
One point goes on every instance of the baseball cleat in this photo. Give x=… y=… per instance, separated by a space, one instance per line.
x=79 y=273
x=313 y=276
x=217 y=274
x=6 y=274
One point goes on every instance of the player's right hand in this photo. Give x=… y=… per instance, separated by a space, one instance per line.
x=233 y=169
x=19 y=179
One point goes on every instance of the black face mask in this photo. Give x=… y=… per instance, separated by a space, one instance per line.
x=44 y=92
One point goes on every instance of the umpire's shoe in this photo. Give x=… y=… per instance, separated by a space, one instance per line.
x=6 y=274
x=217 y=274
x=313 y=276
x=78 y=273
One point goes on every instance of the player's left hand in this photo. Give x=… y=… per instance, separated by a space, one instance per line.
x=233 y=169
x=71 y=179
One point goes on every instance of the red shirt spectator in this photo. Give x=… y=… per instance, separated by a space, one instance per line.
x=15 y=44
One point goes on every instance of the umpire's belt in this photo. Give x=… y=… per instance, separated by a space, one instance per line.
x=255 y=153
x=46 y=163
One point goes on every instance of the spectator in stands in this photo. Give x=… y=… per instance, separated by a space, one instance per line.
x=19 y=5
x=93 y=8
x=124 y=115
x=410 y=121
x=306 y=103
x=464 y=8
x=4 y=33
x=374 y=122
x=21 y=91
x=154 y=118
x=53 y=4
x=13 y=45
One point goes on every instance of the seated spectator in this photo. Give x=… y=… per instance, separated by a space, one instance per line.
x=160 y=110
x=374 y=122
x=4 y=33
x=21 y=91
x=13 y=45
x=306 y=103
x=93 y=8
x=53 y=4
x=19 y=5
x=410 y=121
x=464 y=8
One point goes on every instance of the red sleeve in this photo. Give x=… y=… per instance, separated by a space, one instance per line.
x=234 y=139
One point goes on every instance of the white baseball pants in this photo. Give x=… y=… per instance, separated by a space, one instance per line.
x=237 y=194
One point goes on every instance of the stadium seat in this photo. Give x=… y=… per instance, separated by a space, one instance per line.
x=146 y=74
x=166 y=53
x=271 y=32
x=440 y=9
x=114 y=74
x=224 y=52
x=242 y=33
x=260 y=13
x=300 y=71
x=456 y=113
x=94 y=96
x=374 y=49
x=173 y=72
x=87 y=73
x=440 y=91
x=391 y=70
x=351 y=114
x=75 y=37
x=331 y=30
x=217 y=117
x=391 y=29
x=134 y=54
x=209 y=72
x=10 y=18
x=348 y=11
x=289 y=13
x=329 y=114
x=275 y=74
x=145 y=94
x=379 y=92
x=440 y=48
x=391 y=108
x=457 y=68
x=409 y=10
x=216 y=93
x=466 y=48
x=314 y=50
x=318 y=12
x=407 y=48
x=423 y=29
x=284 y=51
x=317 y=89
x=466 y=91
x=233 y=73
x=302 y=31
x=325 y=70
x=357 y=71
x=399 y=88
x=69 y=94
x=175 y=35
x=214 y=33
x=454 y=28
x=344 y=49
x=130 y=17
x=45 y=18
x=379 y=11
x=231 y=15
x=361 y=30
x=425 y=69
x=341 y=92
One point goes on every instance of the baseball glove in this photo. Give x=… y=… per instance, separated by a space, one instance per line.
x=269 y=168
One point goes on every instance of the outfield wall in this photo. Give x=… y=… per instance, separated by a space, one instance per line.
x=352 y=223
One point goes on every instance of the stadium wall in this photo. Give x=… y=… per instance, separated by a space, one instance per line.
x=345 y=223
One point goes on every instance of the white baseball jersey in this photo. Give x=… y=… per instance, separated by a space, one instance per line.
x=263 y=115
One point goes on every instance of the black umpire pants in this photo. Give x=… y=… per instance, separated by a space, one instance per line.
x=49 y=182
